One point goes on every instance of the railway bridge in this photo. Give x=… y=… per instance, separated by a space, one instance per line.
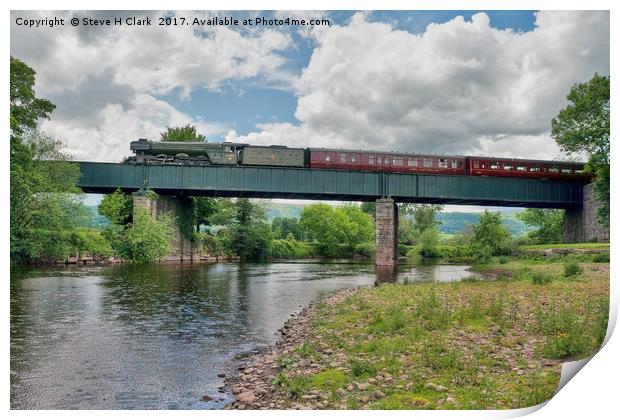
x=174 y=183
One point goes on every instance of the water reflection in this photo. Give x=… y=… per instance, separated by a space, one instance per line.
x=157 y=336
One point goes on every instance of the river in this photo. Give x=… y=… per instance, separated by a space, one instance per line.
x=158 y=336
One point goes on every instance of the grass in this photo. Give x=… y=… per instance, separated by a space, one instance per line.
x=473 y=344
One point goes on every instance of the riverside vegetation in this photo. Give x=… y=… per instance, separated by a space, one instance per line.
x=466 y=345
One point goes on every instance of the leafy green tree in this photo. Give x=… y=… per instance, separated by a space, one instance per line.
x=250 y=233
x=282 y=227
x=203 y=209
x=490 y=236
x=26 y=108
x=44 y=202
x=147 y=239
x=358 y=225
x=584 y=126
x=428 y=242
x=549 y=224
x=180 y=134
x=370 y=208
x=117 y=207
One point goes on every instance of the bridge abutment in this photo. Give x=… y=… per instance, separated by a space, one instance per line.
x=386 y=232
x=581 y=223
x=176 y=208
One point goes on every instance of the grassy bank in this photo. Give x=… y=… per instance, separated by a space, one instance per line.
x=468 y=345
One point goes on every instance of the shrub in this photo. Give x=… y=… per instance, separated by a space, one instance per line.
x=572 y=269
x=428 y=242
x=601 y=258
x=147 y=239
x=541 y=278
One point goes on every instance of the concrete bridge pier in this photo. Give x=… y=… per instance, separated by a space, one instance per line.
x=581 y=222
x=176 y=208
x=386 y=232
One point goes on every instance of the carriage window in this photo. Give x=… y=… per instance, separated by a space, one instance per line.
x=398 y=161
x=495 y=166
x=328 y=158
x=387 y=160
x=227 y=149
x=534 y=169
x=353 y=158
x=379 y=160
x=413 y=162
x=428 y=163
x=343 y=158
x=578 y=171
x=371 y=160
x=566 y=171
x=508 y=167
x=476 y=164
x=443 y=163
x=454 y=164
x=521 y=168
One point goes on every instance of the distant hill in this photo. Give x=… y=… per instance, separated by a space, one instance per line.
x=97 y=220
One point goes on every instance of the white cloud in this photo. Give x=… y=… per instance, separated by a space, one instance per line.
x=460 y=87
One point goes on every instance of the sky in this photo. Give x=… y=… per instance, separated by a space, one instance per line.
x=453 y=82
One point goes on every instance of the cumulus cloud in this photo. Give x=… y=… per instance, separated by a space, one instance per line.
x=106 y=81
x=459 y=87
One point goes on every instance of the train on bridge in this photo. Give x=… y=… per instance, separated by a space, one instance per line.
x=149 y=152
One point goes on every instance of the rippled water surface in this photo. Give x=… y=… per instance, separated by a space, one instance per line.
x=156 y=337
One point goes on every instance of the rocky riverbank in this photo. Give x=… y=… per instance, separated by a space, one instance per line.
x=254 y=386
x=469 y=345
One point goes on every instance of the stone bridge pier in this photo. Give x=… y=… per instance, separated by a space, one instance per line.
x=176 y=207
x=581 y=222
x=386 y=232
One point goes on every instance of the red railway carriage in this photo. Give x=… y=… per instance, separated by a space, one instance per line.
x=386 y=161
x=522 y=168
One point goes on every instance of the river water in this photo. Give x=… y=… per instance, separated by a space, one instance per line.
x=156 y=337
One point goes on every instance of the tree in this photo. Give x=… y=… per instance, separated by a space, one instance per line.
x=490 y=236
x=203 y=209
x=26 y=108
x=250 y=232
x=549 y=224
x=180 y=134
x=44 y=202
x=282 y=227
x=370 y=208
x=147 y=239
x=117 y=207
x=358 y=226
x=583 y=126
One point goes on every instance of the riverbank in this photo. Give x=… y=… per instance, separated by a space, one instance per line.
x=465 y=345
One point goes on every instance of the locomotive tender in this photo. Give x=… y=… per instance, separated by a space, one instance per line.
x=206 y=154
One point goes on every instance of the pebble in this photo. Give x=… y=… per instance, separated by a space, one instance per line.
x=341 y=392
x=379 y=394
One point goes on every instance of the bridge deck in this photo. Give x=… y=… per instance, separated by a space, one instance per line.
x=321 y=184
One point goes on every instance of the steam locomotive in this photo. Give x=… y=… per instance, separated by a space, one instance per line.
x=148 y=152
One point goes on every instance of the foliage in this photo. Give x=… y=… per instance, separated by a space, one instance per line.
x=147 y=239
x=203 y=209
x=428 y=242
x=549 y=224
x=180 y=134
x=282 y=227
x=424 y=215
x=584 y=126
x=572 y=269
x=250 y=233
x=45 y=204
x=490 y=237
x=369 y=207
x=26 y=108
x=331 y=227
x=116 y=207
x=541 y=278
x=289 y=248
